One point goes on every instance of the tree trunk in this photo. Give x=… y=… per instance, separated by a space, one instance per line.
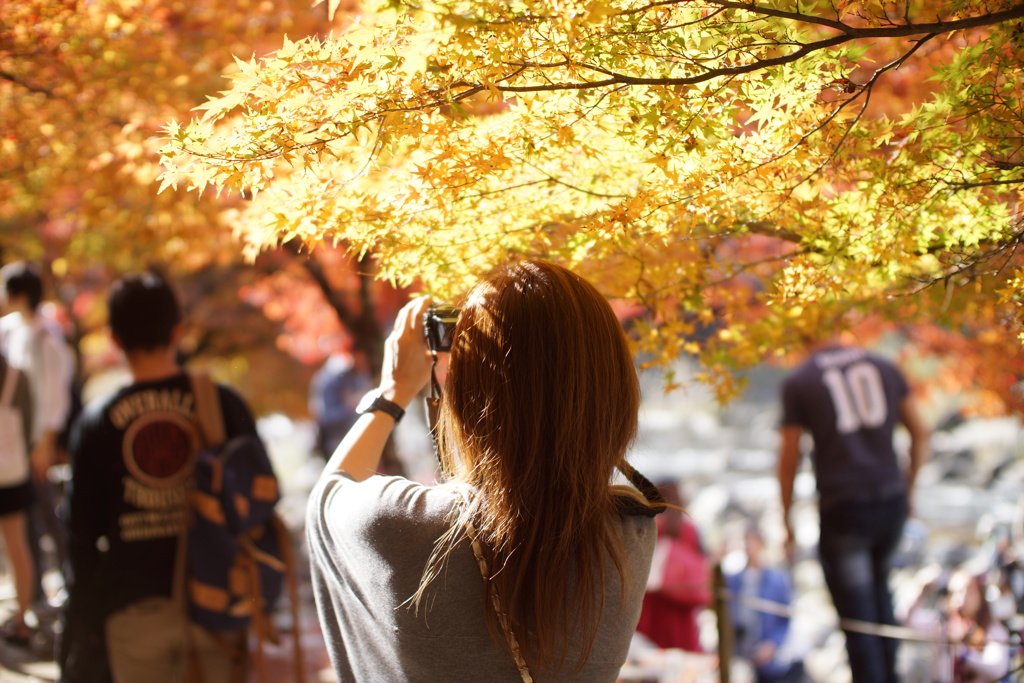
x=363 y=326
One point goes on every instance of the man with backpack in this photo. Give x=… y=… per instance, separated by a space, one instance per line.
x=133 y=457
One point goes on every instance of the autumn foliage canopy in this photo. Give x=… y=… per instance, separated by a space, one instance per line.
x=770 y=168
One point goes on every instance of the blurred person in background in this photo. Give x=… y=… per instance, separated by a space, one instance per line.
x=34 y=344
x=16 y=493
x=132 y=476
x=850 y=402
x=982 y=653
x=927 y=660
x=760 y=597
x=334 y=393
x=1005 y=575
x=679 y=584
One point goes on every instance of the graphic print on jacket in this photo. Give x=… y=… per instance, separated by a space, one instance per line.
x=159 y=448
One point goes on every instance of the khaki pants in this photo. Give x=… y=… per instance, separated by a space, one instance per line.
x=146 y=642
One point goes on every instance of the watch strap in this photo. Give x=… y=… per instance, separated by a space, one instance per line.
x=379 y=403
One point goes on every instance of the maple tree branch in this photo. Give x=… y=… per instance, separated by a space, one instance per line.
x=893 y=31
x=648 y=7
x=499 y=190
x=673 y=27
x=741 y=268
x=709 y=74
x=847 y=33
x=970 y=266
x=865 y=89
x=11 y=78
x=1007 y=165
x=1011 y=242
x=779 y=14
x=772 y=230
x=552 y=179
x=556 y=181
x=983 y=183
x=898 y=62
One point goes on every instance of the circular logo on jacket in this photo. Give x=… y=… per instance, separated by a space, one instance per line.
x=160 y=447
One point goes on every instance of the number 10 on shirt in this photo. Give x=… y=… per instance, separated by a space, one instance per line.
x=858 y=396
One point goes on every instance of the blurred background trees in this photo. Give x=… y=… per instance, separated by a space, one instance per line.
x=85 y=90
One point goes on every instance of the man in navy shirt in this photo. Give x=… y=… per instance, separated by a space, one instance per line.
x=850 y=401
x=132 y=457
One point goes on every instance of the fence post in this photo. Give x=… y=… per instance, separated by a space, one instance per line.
x=726 y=644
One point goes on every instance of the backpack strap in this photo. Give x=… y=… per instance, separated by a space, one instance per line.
x=211 y=424
x=10 y=384
x=208 y=411
x=211 y=432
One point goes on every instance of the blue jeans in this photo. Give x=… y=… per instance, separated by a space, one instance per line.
x=858 y=539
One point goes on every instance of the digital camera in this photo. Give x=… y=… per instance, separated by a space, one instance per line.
x=439 y=326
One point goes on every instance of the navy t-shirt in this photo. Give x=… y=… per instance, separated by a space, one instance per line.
x=849 y=400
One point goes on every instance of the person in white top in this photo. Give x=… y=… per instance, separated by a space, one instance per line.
x=34 y=344
x=15 y=495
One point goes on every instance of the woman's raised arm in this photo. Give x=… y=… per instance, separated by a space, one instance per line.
x=406 y=371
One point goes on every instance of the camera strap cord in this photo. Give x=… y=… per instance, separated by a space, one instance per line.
x=503 y=619
x=434 y=399
x=626 y=506
x=433 y=406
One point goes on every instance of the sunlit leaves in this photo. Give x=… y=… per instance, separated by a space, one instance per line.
x=710 y=163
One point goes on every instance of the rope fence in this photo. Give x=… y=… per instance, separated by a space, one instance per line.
x=723 y=597
x=882 y=630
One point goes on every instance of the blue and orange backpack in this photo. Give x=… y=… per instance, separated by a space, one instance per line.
x=238 y=555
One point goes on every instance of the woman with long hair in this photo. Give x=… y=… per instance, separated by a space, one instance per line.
x=528 y=562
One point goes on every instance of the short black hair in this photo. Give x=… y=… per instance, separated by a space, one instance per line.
x=143 y=310
x=22 y=278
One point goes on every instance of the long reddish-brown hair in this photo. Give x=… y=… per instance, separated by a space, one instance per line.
x=539 y=407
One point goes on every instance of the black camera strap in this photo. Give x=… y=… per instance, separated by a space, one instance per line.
x=433 y=405
x=631 y=507
x=435 y=392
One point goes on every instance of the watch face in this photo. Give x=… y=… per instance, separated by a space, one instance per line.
x=366 y=402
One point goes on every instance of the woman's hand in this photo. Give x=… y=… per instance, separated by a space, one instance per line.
x=407 y=359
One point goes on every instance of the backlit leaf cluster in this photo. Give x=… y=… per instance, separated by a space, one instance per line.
x=740 y=175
